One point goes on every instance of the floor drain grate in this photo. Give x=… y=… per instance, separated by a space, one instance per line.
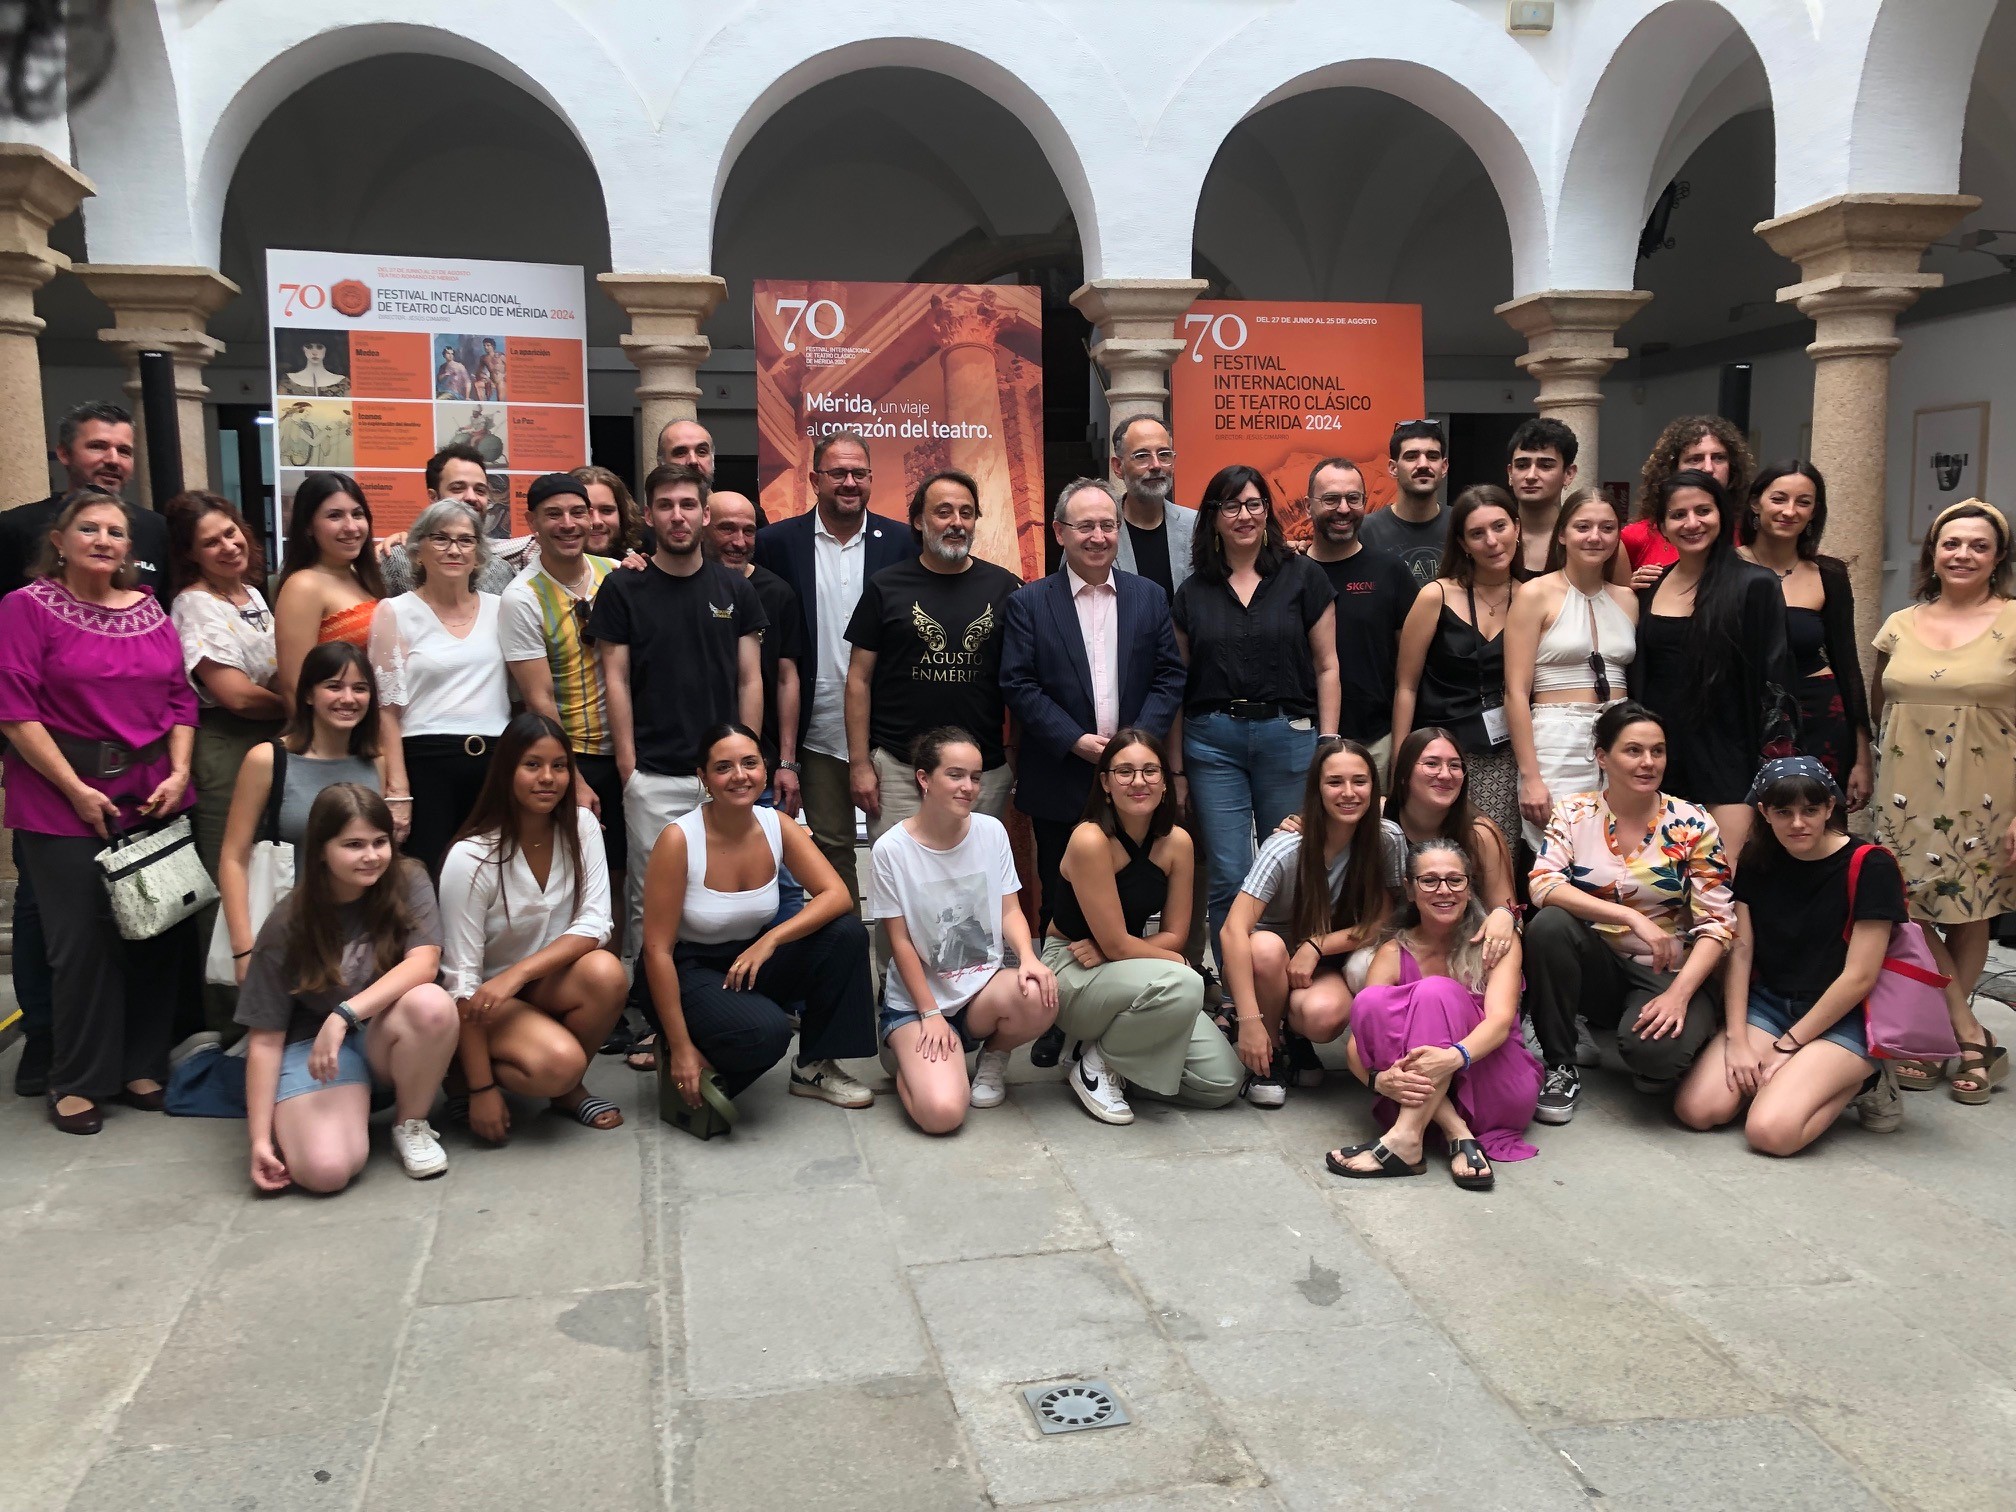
x=1075 y=1406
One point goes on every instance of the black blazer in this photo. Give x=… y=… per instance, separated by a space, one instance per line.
x=1757 y=712
x=1844 y=656
x=786 y=549
x=1046 y=678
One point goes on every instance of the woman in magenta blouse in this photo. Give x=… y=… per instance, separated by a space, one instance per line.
x=100 y=723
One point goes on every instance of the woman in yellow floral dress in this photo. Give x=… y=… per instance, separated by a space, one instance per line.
x=1946 y=795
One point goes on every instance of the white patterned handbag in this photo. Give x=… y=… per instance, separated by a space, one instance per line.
x=269 y=877
x=155 y=878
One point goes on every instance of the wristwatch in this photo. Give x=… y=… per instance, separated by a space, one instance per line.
x=348 y=1014
x=789 y=766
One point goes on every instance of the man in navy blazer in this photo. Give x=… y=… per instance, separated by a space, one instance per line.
x=1067 y=704
x=826 y=554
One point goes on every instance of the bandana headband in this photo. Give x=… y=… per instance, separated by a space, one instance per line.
x=1793 y=766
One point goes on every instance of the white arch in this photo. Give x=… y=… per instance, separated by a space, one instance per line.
x=1912 y=80
x=1482 y=84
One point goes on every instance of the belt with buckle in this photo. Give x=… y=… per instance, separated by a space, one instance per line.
x=106 y=758
x=1246 y=708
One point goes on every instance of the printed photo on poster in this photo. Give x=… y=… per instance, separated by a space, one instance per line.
x=479 y=425
x=931 y=376
x=471 y=367
x=314 y=433
x=314 y=363
x=1949 y=460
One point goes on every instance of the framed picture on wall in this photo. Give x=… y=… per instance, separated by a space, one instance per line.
x=1949 y=460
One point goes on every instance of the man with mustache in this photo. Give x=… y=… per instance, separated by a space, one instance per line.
x=1539 y=467
x=1374 y=592
x=927 y=653
x=1415 y=526
x=1154 y=533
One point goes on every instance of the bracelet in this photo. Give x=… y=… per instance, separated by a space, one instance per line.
x=399 y=798
x=1458 y=1048
x=1174 y=771
x=1796 y=1045
x=239 y=955
x=479 y=1091
x=1246 y=1018
x=348 y=1014
x=789 y=766
x=931 y=1013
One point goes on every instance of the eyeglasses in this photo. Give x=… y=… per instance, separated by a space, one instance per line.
x=1602 y=675
x=1450 y=885
x=254 y=615
x=846 y=474
x=584 y=610
x=1424 y=420
x=1091 y=527
x=1339 y=500
x=1143 y=458
x=1243 y=506
x=453 y=542
x=1150 y=773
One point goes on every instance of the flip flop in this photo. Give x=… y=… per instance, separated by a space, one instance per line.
x=643 y=1054
x=1481 y=1177
x=1389 y=1163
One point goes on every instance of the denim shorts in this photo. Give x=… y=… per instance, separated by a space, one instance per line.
x=1775 y=1014
x=352 y=1069
x=892 y=1019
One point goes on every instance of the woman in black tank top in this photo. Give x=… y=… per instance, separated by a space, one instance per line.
x=1128 y=999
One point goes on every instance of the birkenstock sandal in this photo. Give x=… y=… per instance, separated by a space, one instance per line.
x=1481 y=1177
x=1389 y=1163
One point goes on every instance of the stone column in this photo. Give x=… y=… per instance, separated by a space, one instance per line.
x=1858 y=257
x=1138 y=338
x=164 y=309
x=1570 y=347
x=966 y=328
x=666 y=312
x=37 y=189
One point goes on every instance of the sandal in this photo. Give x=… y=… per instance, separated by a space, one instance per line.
x=643 y=1054
x=1986 y=1065
x=590 y=1111
x=1920 y=1075
x=1481 y=1177
x=1389 y=1163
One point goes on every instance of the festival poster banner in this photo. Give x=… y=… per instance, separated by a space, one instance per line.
x=1280 y=386
x=378 y=362
x=932 y=375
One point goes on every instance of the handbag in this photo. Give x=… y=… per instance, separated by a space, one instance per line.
x=1905 y=1017
x=155 y=878
x=269 y=877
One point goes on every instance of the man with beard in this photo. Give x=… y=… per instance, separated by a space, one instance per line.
x=927 y=653
x=1415 y=526
x=1374 y=592
x=1155 y=533
x=825 y=555
x=687 y=443
x=681 y=648
x=731 y=541
x=1539 y=467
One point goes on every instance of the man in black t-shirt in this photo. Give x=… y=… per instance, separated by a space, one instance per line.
x=1414 y=527
x=926 y=640
x=1374 y=592
x=682 y=649
x=732 y=523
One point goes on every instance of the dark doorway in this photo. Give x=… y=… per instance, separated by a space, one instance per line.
x=1478 y=448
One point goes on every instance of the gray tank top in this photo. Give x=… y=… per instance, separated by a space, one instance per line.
x=306 y=776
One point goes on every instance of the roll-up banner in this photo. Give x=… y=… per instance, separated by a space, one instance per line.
x=931 y=376
x=380 y=361
x=1282 y=386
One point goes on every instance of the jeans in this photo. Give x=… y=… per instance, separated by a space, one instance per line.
x=1244 y=773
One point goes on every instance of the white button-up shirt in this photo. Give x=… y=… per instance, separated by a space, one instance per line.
x=837 y=569
x=1098 y=606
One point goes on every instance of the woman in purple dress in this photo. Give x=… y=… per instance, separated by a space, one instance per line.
x=1436 y=1036
x=100 y=723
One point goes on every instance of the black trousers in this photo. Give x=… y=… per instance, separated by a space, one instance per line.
x=1053 y=838
x=114 y=999
x=744 y=1034
x=600 y=774
x=1570 y=970
x=444 y=779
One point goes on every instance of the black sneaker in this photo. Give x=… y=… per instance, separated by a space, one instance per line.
x=31 y=1072
x=1305 y=1067
x=1267 y=1091
x=1558 y=1095
x=1049 y=1047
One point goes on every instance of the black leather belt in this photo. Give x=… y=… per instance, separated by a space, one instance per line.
x=1245 y=708
x=106 y=758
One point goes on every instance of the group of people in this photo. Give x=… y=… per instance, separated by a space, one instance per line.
x=1451 y=786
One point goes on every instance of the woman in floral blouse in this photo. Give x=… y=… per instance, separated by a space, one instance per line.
x=1945 y=696
x=1640 y=917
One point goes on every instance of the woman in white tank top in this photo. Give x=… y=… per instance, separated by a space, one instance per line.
x=722 y=969
x=1568 y=640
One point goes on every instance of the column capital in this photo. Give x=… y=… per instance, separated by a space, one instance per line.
x=160 y=307
x=681 y=301
x=1136 y=320
x=666 y=312
x=1571 y=345
x=1864 y=240
x=37 y=189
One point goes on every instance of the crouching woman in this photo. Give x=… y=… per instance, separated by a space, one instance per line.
x=340 y=997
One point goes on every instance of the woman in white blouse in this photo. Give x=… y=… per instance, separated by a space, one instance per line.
x=442 y=687
x=524 y=914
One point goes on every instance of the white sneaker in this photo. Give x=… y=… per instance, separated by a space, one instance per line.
x=1099 y=1089
x=824 y=1079
x=419 y=1148
x=990 y=1079
x=1268 y=1091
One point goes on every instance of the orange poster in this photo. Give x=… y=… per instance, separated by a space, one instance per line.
x=547 y=438
x=388 y=434
x=391 y=364
x=1281 y=386
x=544 y=370
x=396 y=498
x=933 y=376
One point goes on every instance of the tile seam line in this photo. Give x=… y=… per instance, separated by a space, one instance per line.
x=414 y=1284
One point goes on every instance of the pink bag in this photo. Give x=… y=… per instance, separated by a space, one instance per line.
x=1905 y=1017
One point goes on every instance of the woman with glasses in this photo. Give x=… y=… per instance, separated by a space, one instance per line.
x=1430 y=800
x=442 y=683
x=1451 y=668
x=1125 y=994
x=1257 y=628
x=1570 y=637
x=228 y=649
x=1434 y=1033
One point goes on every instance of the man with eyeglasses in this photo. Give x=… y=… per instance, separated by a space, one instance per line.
x=542 y=621
x=1084 y=652
x=731 y=541
x=1374 y=592
x=1155 y=533
x=1539 y=467
x=825 y=555
x=1415 y=526
x=458 y=472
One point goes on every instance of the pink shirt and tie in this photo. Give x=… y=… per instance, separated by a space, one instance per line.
x=1098 y=606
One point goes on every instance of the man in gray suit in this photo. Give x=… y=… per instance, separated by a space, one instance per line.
x=1154 y=533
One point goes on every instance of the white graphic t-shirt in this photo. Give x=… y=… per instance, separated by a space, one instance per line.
x=950 y=901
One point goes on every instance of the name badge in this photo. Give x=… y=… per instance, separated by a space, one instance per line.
x=1496 y=729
